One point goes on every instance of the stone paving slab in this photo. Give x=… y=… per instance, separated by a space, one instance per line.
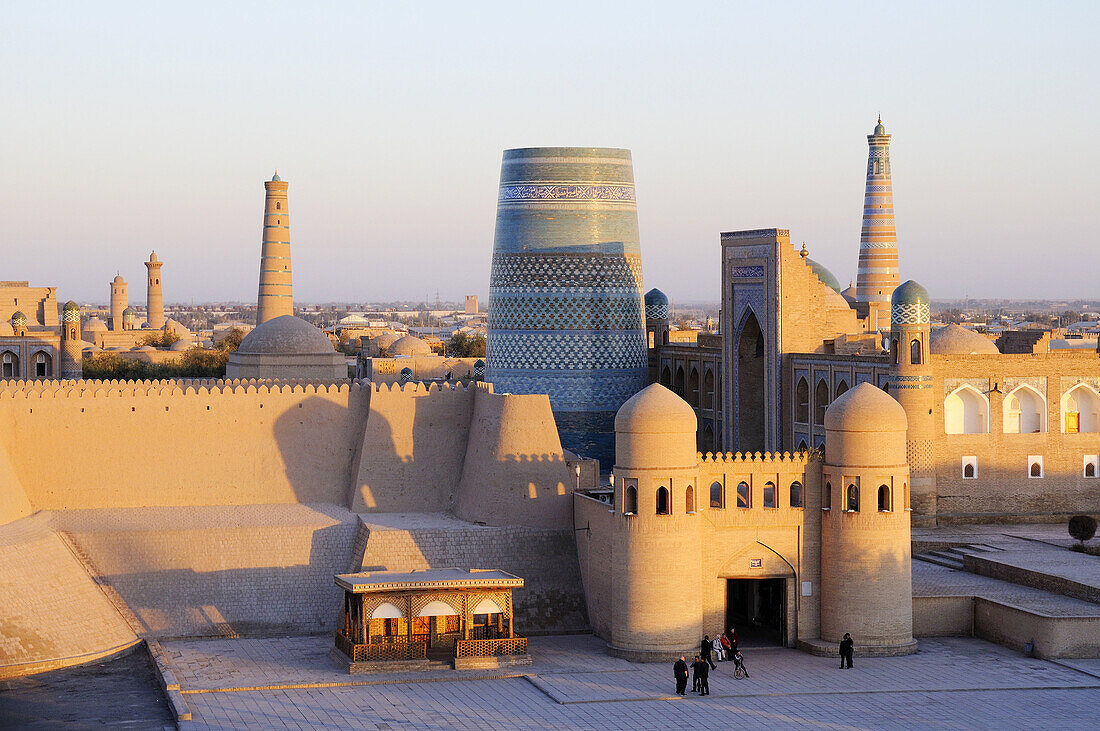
x=932 y=580
x=950 y=683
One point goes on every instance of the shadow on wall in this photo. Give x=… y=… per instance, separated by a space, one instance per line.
x=318 y=443
x=256 y=592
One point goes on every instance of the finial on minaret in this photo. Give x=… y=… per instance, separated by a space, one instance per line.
x=276 y=175
x=879 y=121
x=805 y=252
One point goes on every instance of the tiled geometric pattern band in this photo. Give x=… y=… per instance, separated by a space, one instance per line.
x=656 y=312
x=558 y=192
x=565 y=272
x=573 y=351
x=565 y=312
x=591 y=391
x=917 y=313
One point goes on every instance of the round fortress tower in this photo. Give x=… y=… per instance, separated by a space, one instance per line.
x=565 y=293
x=911 y=385
x=866 y=580
x=657 y=548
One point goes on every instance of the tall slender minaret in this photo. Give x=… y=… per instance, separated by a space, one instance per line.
x=118 y=301
x=154 y=295
x=276 y=294
x=72 y=356
x=877 y=276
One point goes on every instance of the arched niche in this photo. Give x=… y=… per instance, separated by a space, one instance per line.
x=1025 y=411
x=1081 y=410
x=966 y=411
x=385 y=610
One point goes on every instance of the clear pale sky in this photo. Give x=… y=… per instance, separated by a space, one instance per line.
x=127 y=127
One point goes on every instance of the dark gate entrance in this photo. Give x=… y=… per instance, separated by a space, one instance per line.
x=755 y=608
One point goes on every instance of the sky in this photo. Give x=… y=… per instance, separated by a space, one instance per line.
x=126 y=127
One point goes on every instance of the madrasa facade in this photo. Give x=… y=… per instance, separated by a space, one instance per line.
x=837 y=421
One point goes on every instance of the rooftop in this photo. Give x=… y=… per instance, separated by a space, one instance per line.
x=369 y=581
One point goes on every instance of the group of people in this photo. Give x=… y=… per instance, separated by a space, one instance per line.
x=724 y=647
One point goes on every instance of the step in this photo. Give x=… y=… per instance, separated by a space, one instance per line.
x=938 y=558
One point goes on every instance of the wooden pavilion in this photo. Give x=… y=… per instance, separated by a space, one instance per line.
x=421 y=618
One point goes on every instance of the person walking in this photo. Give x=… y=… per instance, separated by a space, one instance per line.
x=695 y=674
x=704 y=651
x=680 y=671
x=847 y=648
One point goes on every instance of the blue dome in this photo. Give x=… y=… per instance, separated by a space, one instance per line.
x=910 y=305
x=656 y=305
x=275 y=176
x=879 y=129
x=824 y=275
x=656 y=297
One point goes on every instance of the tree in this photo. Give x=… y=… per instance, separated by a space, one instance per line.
x=1082 y=527
x=232 y=340
x=466 y=346
x=160 y=339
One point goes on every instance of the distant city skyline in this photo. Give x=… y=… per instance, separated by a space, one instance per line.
x=133 y=128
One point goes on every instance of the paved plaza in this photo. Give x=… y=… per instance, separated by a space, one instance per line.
x=950 y=683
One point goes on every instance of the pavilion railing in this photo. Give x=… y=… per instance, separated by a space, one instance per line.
x=491 y=648
x=392 y=648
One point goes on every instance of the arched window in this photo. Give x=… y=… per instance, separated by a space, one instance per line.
x=802 y=447
x=1024 y=411
x=662 y=501
x=11 y=365
x=666 y=377
x=708 y=390
x=278 y=206
x=1081 y=410
x=1090 y=469
x=827 y=498
x=717 y=499
x=743 y=496
x=706 y=439
x=966 y=411
x=894 y=350
x=689 y=500
x=769 y=494
x=884 y=499
x=693 y=387
x=42 y=362
x=1036 y=469
x=679 y=389
x=802 y=402
x=630 y=498
x=853 y=499
x=905 y=491
x=914 y=352
x=796 y=494
x=841 y=388
x=821 y=401
x=968 y=472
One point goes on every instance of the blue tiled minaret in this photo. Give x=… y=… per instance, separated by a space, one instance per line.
x=565 y=295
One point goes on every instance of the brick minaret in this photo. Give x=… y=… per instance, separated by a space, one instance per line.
x=154 y=295
x=276 y=294
x=72 y=356
x=118 y=301
x=877 y=276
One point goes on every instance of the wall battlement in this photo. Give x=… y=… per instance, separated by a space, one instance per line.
x=757 y=458
x=59 y=388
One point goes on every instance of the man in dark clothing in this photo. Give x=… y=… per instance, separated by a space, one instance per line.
x=695 y=674
x=847 y=646
x=731 y=635
x=703 y=673
x=680 y=670
x=704 y=651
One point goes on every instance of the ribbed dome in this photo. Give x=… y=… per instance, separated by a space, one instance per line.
x=656 y=297
x=655 y=409
x=824 y=275
x=286 y=334
x=409 y=345
x=95 y=325
x=865 y=408
x=957 y=340
x=386 y=340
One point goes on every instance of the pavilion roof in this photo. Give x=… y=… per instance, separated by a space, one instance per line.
x=371 y=581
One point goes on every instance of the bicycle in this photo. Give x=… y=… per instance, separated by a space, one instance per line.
x=740 y=673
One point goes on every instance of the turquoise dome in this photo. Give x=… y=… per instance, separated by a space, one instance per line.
x=824 y=275
x=71 y=306
x=910 y=305
x=656 y=297
x=18 y=318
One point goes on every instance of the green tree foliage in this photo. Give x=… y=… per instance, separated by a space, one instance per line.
x=160 y=339
x=466 y=346
x=232 y=340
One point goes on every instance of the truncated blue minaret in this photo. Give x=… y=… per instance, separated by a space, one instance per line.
x=565 y=295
